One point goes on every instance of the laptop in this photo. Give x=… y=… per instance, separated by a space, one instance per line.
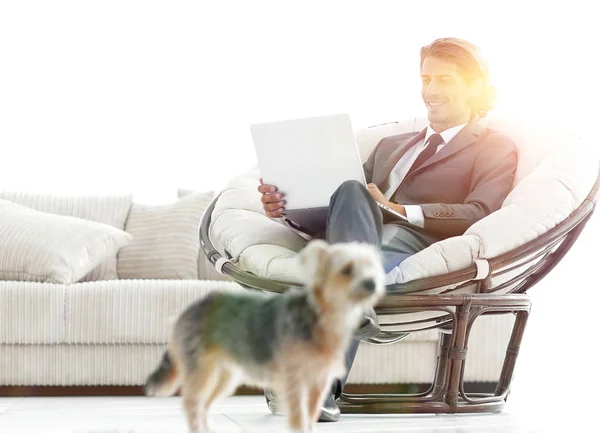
x=308 y=159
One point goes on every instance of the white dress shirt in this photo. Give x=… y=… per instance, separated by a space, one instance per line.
x=414 y=213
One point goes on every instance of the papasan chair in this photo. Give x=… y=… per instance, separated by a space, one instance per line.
x=449 y=285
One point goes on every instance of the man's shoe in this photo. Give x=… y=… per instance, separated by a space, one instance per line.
x=330 y=412
x=271 y=403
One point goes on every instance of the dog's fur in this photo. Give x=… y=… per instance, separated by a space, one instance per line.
x=293 y=343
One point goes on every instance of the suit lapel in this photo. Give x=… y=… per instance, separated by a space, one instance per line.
x=395 y=157
x=467 y=136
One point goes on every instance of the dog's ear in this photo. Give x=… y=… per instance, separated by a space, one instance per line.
x=314 y=258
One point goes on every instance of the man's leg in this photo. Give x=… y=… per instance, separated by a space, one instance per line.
x=402 y=240
x=354 y=216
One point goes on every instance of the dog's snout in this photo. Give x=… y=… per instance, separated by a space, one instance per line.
x=369 y=285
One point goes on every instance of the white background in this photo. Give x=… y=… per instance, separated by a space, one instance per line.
x=145 y=96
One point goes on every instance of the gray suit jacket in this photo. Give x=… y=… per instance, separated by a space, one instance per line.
x=466 y=180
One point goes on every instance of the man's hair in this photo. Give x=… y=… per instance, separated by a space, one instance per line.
x=471 y=64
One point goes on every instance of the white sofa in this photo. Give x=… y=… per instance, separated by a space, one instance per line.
x=109 y=327
x=111 y=332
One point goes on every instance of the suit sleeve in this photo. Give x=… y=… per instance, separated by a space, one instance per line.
x=491 y=181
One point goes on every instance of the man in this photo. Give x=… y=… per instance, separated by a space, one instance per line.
x=443 y=178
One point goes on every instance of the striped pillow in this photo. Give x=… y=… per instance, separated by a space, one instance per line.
x=206 y=271
x=44 y=247
x=110 y=210
x=165 y=239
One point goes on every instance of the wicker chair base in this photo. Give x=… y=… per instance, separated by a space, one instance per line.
x=355 y=407
x=447 y=394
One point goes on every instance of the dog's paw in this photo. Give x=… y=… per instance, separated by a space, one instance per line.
x=312 y=429
x=205 y=428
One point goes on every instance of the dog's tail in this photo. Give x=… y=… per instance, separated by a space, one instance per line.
x=164 y=381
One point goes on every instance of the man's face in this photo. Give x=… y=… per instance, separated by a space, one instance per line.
x=446 y=94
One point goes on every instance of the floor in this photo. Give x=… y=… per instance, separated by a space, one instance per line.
x=248 y=414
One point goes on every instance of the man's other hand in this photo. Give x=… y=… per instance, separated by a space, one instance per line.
x=272 y=201
x=377 y=194
x=380 y=198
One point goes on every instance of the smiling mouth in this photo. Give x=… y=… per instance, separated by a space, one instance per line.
x=434 y=103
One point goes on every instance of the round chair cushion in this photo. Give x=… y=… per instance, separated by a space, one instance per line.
x=556 y=171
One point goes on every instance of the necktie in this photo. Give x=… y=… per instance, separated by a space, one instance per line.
x=434 y=141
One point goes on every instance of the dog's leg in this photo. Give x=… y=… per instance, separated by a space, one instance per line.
x=190 y=405
x=296 y=400
x=194 y=402
x=225 y=384
x=197 y=388
x=316 y=397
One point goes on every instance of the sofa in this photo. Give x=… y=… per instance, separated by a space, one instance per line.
x=90 y=285
x=88 y=298
x=75 y=314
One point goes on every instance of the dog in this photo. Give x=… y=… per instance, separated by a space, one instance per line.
x=293 y=343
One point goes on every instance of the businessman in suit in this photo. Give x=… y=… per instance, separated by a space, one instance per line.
x=443 y=178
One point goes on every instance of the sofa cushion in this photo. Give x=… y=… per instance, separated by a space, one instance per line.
x=141 y=311
x=111 y=210
x=31 y=313
x=44 y=247
x=165 y=239
x=78 y=365
x=130 y=364
x=131 y=311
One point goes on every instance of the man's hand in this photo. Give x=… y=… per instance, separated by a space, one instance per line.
x=377 y=194
x=271 y=200
x=380 y=198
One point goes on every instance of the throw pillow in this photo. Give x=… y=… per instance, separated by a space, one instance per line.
x=206 y=271
x=111 y=210
x=166 y=244
x=45 y=247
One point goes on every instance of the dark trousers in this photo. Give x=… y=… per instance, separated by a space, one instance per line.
x=353 y=216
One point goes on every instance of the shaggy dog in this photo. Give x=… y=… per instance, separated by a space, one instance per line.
x=293 y=343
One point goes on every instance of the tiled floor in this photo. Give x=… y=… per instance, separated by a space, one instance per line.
x=249 y=414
